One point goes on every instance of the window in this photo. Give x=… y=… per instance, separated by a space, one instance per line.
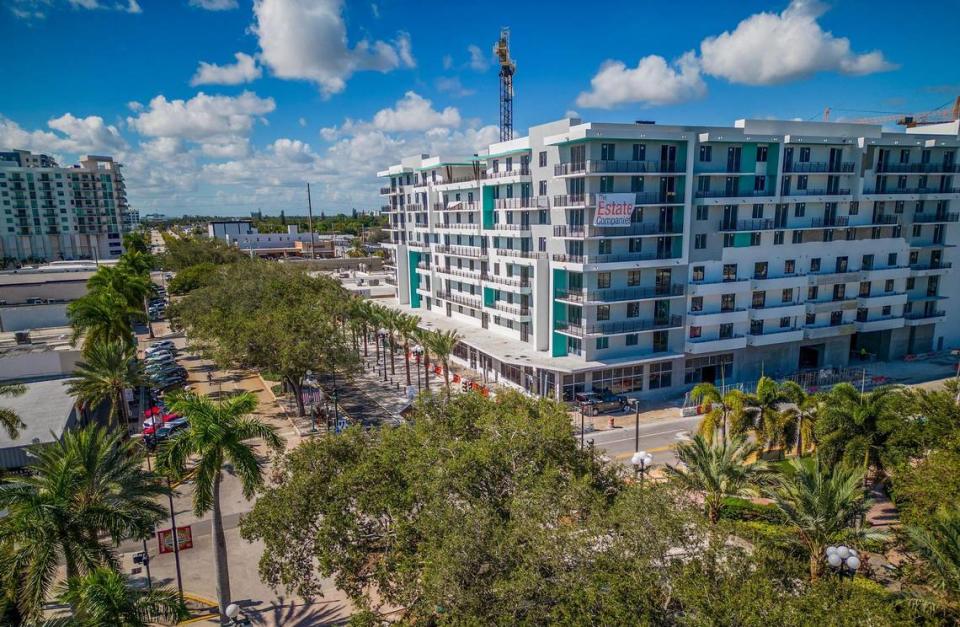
x=799 y=210
x=603 y=342
x=603 y=280
x=812 y=292
x=864 y=289
x=703 y=212
x=509 y=164
x=888 y=285
x=639 y=152
x=854 y=207
x=756 y=327
x=785 y=322
x=802 y=182
x=542 y=244
x=786 y=296
x=841 y=264
x=811 y=319
x=635 y=244
x=916 y=230
x=778 y=238
x=606 y=184
x=729 y=271
x=607 y=152
x=839 y=291
x=760 y=270
x=757 y=212
x=759 y=183
x=633 y=310
x=905 y=156
x=706 y=153
x=892 y=260
x=728 y=240
x=910 y=283
x=726 y=330
x=758 y=300
x=661 y=375
x=700 y=241
x=796 y=237
x=885 y=310
x=636 y=183
x=606 y=247
x=815 y=264
x=789 y=266
x=696 y=332
x=761 y=154
x=603 y=312
x=632 y=339
x=542 y=188
x=755 y=238
x=496 y=165
x=866 y=262
x=633 y=278
x=804 y=155
x=543 y=159
x=696 y=303
x=697 y=273
x=728 y=302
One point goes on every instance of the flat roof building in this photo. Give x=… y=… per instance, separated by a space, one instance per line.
x=47 y=410
x=644 y=258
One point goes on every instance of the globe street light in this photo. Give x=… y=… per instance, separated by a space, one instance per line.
x=641 y=461
x=382 y=334
x=843 y=560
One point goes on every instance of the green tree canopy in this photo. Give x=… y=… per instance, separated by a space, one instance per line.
x=191 y=278
x=183 y=252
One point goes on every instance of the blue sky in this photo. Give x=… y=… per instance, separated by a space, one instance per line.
x=329 y=92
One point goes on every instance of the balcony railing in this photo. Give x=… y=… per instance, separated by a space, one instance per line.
x=462 y=251
x=522 y=254
x=524 y=202
x=512 y=281
x=581 y=230
x=626 y=326
x=819 y=167
x=927 y=218
x=943 y=265
x=731 y=193
x=515 y=309
x=914 y=190
x=922 y=315
x=502 y=226
x=462 y=226
x=619 y=258
x=462 y=299
x=641 y=198
x=456 y=205
x=920 y=168
x=386 y=190
x=617 y=167
x=508 y=173
x=621 y=295
x=459 y=272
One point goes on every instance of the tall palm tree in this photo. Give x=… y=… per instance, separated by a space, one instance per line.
x=798 y=421
x=938 y=544
x=101 y=316
x=136 y=263
x=106 y=371
x=105 y=597
x=423 y=337
x=717 y=470
x=820 y=503
x=89 y=485
x=443 y=343
x=135 y=288
x=406 y=328
x=218 y=433
x=854 y=427
x=760 y=412
x=9 y=419
x=390 y=319
x=722 y=406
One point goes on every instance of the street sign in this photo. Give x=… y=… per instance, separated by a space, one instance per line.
x=184 y=535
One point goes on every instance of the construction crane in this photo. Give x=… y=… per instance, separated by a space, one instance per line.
x=945 y=113
x=507 y=69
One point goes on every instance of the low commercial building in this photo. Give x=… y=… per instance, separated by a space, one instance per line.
x=47 y=410
x=220 y=229
x=39 y=353
x=37 y=297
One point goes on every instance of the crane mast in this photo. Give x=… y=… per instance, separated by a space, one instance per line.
x=507 y=69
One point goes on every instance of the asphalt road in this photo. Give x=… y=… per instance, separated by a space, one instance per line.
x=656 y=438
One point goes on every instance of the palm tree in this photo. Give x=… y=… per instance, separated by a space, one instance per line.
x=717 y=470
x=87 y=485
x=798 y=421
x=9 y=419
x=760 y=412
x=390 y=320
x=938 y=544
x=722 y=406
x=217 y=433
x=107 y=370
x=135 y=288
x=443 y=343
x=407 y=327
x=105 y=597
x=820 y=503
x=101 y=316
x=136 y=263
x=423 y=337
x=854 y=427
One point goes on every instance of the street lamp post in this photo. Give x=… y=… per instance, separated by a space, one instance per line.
x=641 y=461
x=418 y=352
x=582 y=426
x=843 y=560
x=233 y=613
x=636 y=425
x=382 y=335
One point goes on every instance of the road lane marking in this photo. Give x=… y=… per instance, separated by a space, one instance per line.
x=642 y=435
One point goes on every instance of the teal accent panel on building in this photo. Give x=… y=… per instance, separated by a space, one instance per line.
x=745 y=185
x=489 y=297
x=741 y=240
x=748 y=158
x=487 y=207
x=773 y=159
x=414 y=279
x=682 y=155
x=676 y=247
x=559 y=342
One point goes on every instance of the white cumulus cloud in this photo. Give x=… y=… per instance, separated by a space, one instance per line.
x=771 y=48
x=307 y=40
x=74 y=136
x=653 y=82
x=414 y=113
x=203 y=118
x=244 y=70
x=478 y=60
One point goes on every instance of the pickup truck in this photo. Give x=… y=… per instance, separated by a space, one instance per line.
x=593 y=404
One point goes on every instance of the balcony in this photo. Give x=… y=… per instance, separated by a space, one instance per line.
x=816 y=192
x=706 y=287
x=511 y=228
x=620 y=328
x=456 y=205
x=913 y=190
x=846 y=303
x=620 y=295
x=588 y=231
x=507 y=174
x=467 y=300
x=732 y=193
x=617 y=167
x=474 y=252
x=748 y=225
x=711 y=318
x=882 y=323
x=916 y=318
x=386 y=190
x=929 y=268
x=933 y=218
x=775 y=336
x=464 y=227
x=524 y=202
x=828 y=330
x=520 y=254
x=700 y=345
x=835 y=276
x=513 y=309
x=509 y=281
x=459 y=272
x=641 y=198
x=819 y=167
x=620 y=258
x=917 y=168
x=773 y=311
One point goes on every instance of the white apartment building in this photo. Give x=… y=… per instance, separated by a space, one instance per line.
x=641 y=258
x=50 y=212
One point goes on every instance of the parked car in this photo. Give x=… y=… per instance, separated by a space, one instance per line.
x=161 y=355
x=169 y=428
x=593 y=404
x=161 y=344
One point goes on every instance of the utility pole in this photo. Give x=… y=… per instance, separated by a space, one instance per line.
x=313 y=248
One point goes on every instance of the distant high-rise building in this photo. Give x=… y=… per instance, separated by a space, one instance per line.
x=52 y=212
